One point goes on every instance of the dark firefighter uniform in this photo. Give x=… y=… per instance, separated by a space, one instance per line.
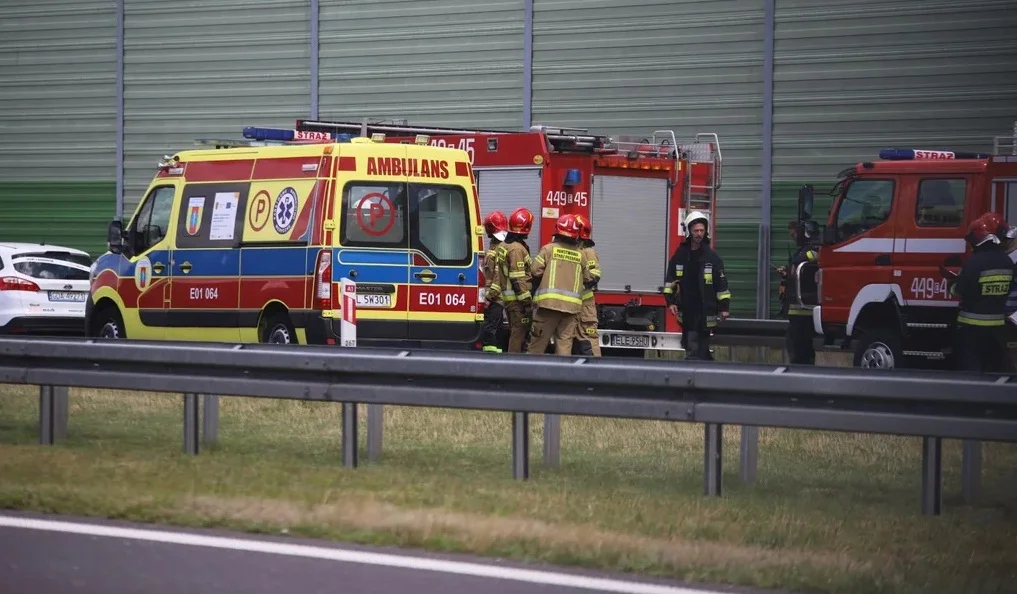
x=982 y=286
x=496 y=225
x=696 y=283
x=799 y=318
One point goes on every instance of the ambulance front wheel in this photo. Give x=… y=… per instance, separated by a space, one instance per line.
x=108 y=323
x=277 y=329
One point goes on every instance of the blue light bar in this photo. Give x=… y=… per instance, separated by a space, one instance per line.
x=286 y=135
x=572 y=177
x=926 y=155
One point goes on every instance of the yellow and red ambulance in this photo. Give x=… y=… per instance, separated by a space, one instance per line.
x=248 y=242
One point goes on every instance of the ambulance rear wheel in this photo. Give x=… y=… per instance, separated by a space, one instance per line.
x=277 y=329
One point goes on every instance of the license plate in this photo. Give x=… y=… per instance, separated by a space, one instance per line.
x=373 y=300
x=630 y=340
x=67 y=296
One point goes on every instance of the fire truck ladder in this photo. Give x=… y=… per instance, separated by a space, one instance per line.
x=1002 y=145
x=704 y=149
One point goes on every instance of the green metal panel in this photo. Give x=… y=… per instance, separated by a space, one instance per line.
x=68 y=214
x=444 y=62
x=58 y=117
x=738 y=245
x=854 y=76
x=629 y=68
x=633 y=67
x=205 y=69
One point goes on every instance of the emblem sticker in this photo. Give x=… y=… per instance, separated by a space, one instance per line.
x=195 y=207
x=284 y=213
x=143 y=273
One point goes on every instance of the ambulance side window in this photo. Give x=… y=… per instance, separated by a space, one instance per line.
x=374 y=214
x=439 y=223
x=940 y=202
x=152 y=222
x=866 y=204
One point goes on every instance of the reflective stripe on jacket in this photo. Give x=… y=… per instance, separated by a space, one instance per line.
x=563 y=272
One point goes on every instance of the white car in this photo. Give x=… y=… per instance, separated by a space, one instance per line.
x=43 y=288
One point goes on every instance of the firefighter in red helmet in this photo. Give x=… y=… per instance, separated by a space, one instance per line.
x=588 y=338
x=514 y=258
x=982 y=286
x=561 y=274
x=496 y=226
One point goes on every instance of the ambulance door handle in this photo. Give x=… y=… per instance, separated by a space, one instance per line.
x=185 y=267
x=158 y=268
x=462 y=277
x=353 y=273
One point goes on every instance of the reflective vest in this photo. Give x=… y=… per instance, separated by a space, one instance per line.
x=563 y=272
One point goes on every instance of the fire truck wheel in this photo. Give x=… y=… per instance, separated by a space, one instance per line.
x=879 y=349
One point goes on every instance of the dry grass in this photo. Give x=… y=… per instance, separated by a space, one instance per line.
x=830 y=512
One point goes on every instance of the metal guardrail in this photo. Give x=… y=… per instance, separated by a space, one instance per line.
x=933 y=406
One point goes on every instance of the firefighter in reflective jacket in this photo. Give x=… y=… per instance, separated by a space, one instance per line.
x=695 y=287
x=496 y=225
x=799 y=328
x=587 y=339
x=982 y=285
x=514 y=257
x=561 y=274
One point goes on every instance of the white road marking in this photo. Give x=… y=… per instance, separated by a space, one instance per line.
x=313 y=552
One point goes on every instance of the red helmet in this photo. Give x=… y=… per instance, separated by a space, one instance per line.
x=996 y=223
x=984 y=229
x=585 y=227
x=567 y=226
x=521 y=221
x=495 y=222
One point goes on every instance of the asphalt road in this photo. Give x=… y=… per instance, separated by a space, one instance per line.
x=48 y=554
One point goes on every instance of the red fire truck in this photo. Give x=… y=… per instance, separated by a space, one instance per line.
x=635 y=189
x=894 y=235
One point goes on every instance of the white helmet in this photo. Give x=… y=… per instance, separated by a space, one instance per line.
x=695 y=216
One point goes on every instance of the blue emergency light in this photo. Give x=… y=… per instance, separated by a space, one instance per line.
x=573 y=177
x=286 y=135
x=926 y=155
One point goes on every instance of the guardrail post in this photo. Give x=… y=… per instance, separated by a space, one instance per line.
x=971 y=471
x=713 y=469
x=520 y=446
x=350 y=440
x=191 y=425
x=54 y=402
x=932 y=476
x=552 y=440
x=210 y=418
x=375 y=424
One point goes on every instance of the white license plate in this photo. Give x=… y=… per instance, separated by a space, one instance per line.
x=67 y=296
x=630 y=340
x=373 y=300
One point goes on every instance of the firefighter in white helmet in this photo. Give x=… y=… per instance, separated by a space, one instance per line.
x=695 y=287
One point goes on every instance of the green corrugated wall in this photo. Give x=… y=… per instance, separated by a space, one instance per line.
x=70 y=213
x=58 y=122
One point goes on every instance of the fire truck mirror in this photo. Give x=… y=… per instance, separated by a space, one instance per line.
x=805 y=201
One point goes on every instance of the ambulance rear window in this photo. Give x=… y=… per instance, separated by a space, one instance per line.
x=440 y=223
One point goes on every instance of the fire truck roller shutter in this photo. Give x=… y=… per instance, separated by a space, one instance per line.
x=630 y=227
x=508 y=189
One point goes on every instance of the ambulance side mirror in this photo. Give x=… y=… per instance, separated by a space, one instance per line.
x=115 y=237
